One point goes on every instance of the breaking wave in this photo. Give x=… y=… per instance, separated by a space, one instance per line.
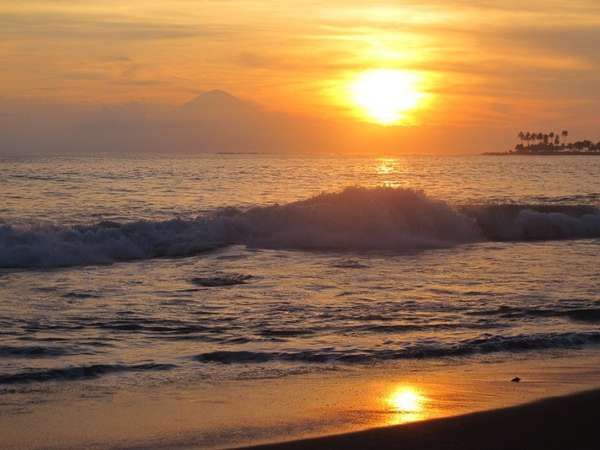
x=589 y=315
x=222 y=279
x=8 y=351
x=78 y=372
x=481 y=345
x=354 y=219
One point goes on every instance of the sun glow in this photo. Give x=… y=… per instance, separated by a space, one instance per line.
x=386 y=95
x=405 y=404
x=406 y=400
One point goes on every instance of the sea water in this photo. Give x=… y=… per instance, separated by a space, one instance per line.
x=136 y=271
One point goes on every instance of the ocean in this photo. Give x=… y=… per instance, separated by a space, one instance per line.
x=142 y=274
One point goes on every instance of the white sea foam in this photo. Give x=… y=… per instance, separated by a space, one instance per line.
x=355 y=219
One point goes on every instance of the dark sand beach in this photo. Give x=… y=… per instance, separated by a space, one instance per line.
x=568 y=422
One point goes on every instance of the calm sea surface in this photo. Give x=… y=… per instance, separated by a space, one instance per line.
x=132 y=271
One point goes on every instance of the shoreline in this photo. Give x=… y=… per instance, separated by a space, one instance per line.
x=540 y=154
x=121 y=414
x=557 y=422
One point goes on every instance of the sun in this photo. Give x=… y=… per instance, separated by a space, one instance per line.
x=386 y=95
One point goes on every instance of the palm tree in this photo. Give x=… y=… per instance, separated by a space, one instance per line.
x=521 y=136
x=564 y=133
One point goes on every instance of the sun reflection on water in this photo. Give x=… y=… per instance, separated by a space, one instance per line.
x=406 y=404
x=388 y=171
x=386 y=165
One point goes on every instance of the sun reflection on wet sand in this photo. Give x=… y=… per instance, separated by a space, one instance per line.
x=406 y=404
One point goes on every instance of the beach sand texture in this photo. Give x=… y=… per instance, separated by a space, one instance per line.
x=568 y=422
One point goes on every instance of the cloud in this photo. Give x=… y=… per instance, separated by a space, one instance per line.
x=85 y=75
x=493 y=62
x=138 y=82
x=572 y=40
x=117 y=59
x=87 y=27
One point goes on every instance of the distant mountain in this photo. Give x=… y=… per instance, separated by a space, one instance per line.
x=218 y=103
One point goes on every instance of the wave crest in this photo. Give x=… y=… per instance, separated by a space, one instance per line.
x=79 y=372
x=360 y=219
x=354 y=219
x=485 y=344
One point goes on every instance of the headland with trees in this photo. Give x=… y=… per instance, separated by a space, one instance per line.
x=552 y=143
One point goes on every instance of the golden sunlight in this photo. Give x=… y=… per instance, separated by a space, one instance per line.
x=386 y=166
x=386 y=95
x=406 y=404
x=406 y=400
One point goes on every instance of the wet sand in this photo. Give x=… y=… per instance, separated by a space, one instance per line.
x=568 y=422
x=100 y=416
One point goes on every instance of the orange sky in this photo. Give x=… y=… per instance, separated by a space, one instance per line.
x=498 y=65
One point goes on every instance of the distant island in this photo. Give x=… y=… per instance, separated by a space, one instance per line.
x=550 y=144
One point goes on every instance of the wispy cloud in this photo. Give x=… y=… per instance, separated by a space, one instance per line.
x=488 y=61
x=71 y=26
